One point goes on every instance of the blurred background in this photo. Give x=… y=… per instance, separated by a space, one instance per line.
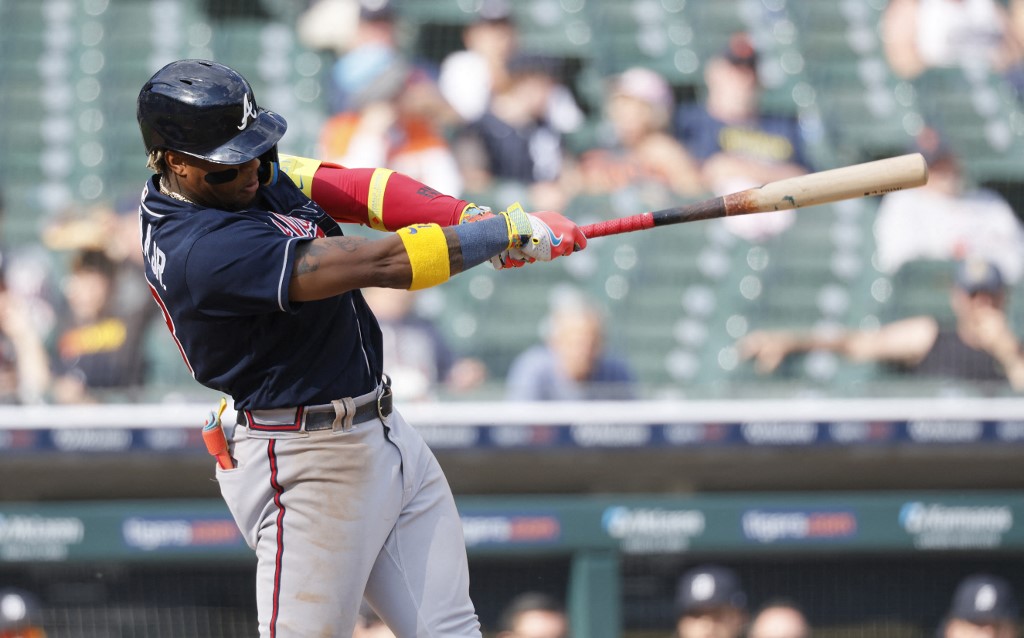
x=822 y=404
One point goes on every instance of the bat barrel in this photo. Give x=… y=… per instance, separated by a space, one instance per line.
x=860 y=180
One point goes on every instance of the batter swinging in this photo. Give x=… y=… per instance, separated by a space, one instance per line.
x=336 y=493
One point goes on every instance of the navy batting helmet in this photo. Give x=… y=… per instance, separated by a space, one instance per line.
x=207 y=110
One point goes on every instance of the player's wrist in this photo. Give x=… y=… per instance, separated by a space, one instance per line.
x=482 y=240
x=518 y=225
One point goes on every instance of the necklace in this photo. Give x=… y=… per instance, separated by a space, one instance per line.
x=173 y=195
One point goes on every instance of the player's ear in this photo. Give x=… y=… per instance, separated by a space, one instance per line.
x=175 y=162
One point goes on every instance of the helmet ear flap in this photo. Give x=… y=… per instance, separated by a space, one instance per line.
x=268 y=170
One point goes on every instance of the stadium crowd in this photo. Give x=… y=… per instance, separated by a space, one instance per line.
x=494 y=121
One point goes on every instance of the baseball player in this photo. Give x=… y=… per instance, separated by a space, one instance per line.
x=336 y=493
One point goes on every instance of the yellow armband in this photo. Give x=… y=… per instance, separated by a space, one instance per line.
x=428 y=254
x=300 y=170
x=375 y=198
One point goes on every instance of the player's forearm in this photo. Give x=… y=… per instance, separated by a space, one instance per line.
x=418 y=256
x=379 y=198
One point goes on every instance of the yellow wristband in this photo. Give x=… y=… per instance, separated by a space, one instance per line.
x=428 y=254
x=375 y=198
x=300 y=170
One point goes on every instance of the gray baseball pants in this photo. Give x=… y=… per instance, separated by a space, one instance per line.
x=336 y=515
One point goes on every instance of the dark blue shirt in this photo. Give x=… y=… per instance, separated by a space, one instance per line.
x=535 y=376
x=221 y=279
x=766 y=137
x=529 y=153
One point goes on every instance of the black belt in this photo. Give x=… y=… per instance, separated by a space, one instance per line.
x=322 y=417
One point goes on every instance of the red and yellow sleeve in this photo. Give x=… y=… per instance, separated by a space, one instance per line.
x=375 y=197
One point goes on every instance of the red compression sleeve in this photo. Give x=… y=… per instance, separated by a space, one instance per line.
x=381 y=198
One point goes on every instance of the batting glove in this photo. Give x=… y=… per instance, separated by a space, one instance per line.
x=553 y=236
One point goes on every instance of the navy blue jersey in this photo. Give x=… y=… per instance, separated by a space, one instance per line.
x=767 y=137
x=221 y=279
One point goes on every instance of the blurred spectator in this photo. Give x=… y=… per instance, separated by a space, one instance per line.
x=710 y=603
x=737 y=145
x=983 y=605
x=573 y=363
x=534 y=615
x=328 y=25
x=469 y=77
x=923 y=34
x=370 y=625
x=779 y=619
x=96 y=348
x=395 y=120
x=372 y=48
x=946 y=219
x=416 y=355
x=27 y=269
x=20 y=615
x=513 y=140
x=114 y=231
x=24 y=365
x=980 y=346
x=639 y=148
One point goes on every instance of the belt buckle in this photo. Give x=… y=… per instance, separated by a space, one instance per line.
x=382 y=400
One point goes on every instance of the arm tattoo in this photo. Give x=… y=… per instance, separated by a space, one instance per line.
x=309 y=254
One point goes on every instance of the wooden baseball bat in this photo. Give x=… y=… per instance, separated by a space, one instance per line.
x=848 y=182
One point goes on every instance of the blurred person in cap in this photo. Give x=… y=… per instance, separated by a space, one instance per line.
x=737 y=145
x=638 y=148
x=983 y=605
x=19 y=615
x=470 y=77
x=947 y=218
x=979 y=345
x=710 y=603
x=779 y=618
x=534 y=615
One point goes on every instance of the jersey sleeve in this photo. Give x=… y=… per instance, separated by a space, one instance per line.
x=241 y=269
x=375 y=197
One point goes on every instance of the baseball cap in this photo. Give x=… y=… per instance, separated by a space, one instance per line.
x=534 y=63
x=709 y=586
x=740 y=51
x=494 y=11
x=975 y=275
x=984 y=598
x=376 y=10
x=645 y=85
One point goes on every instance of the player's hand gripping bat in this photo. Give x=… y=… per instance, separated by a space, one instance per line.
x=849 y=182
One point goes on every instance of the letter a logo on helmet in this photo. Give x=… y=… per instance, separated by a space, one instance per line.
x=248 y=111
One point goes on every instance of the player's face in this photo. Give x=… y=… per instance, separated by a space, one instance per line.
x=233 y=194
x=957 y=628
x=713 y=622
